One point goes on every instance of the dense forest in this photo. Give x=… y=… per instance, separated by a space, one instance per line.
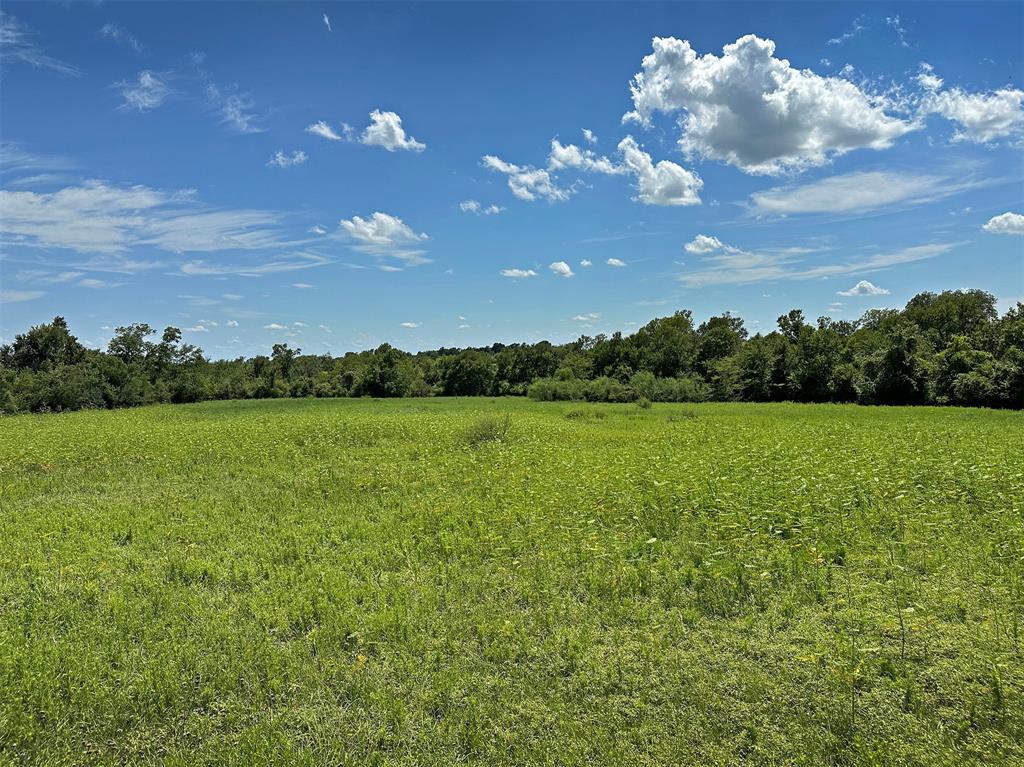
x=949 y=348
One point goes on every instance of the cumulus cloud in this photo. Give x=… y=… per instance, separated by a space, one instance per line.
x=858 y=192
x=704 y=243
x=588 y=317
x=18 y=45
x=586 y=262
x=411 y=325
x=386 y=236
x=728 y=265
x=474 y=207
x=526 y=182
x=980 y=117
x=275 y=326
x=1007 y=223
x=755 y=111
x=588 y=136
x=572 y=156
x=664 y=183
x=385 y=130
x=863 y=288
x=518 y=274
x=232 y=323
x=147 y=92
x=561 y=268
x=927 y=78
x=282 y=159
x=615 y=262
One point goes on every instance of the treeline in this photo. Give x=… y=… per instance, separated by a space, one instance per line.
x=948 y=348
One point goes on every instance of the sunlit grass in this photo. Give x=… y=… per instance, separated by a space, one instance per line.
x=507 y=582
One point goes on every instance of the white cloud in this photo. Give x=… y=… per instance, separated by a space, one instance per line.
x=18 y=46
x=325 y=328
x=474 y=207
x=323 y=130
x=704 y=243
x=92 y=282
x=589 y=136
x=664 y=183
x=526 y=182
x=100 y=218
x=572 y=156
x=586 y=262
x=289 y=262
x=234 y=112
x=121 y=35
x=275 y=326
x=16 y=296
x=1007 y=223
x=148 y=91
x=302 y=285
x=386 y=236
x=858 y=192
x=196 y=329
x=615 y=262
x=863 y=288
x=411 y=325
x=981 y=117
x=517 y=274
x=755 y=111
x=589 y=317
x=561 y=268
x=385 y=130
x=855 y=29
x=327 y=23
x=284 y=160
x=927 y=78
x=729 y=265
x=232 y=323
x=317 y=229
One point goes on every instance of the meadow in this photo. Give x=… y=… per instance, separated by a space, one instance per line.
x=506 y=582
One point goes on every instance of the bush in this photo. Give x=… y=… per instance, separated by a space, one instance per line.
x=643 y=403
x=488 y=429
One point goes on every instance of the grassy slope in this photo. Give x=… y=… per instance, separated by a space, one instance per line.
x=319 y=582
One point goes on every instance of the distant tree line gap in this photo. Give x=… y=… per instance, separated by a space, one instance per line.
x=950 y=348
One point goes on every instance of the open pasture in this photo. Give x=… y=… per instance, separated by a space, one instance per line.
x=504 y=582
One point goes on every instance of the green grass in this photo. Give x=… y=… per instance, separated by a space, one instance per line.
x=512 y=583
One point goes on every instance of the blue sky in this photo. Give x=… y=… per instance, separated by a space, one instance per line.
x=459 y=174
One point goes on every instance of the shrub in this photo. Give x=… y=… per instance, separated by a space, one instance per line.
x=643 y=403
x=488 y=429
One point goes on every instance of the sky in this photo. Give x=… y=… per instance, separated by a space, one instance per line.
x=336 y=176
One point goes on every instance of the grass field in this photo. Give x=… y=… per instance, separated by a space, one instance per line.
x=503 y=582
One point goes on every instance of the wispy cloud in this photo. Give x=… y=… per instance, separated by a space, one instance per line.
x=100 y=218
x=17 y=296
x=121 y=35
x=859 y=192
x=728 y=265
x=18 y=45
x=148 y=91
x=327 y=23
